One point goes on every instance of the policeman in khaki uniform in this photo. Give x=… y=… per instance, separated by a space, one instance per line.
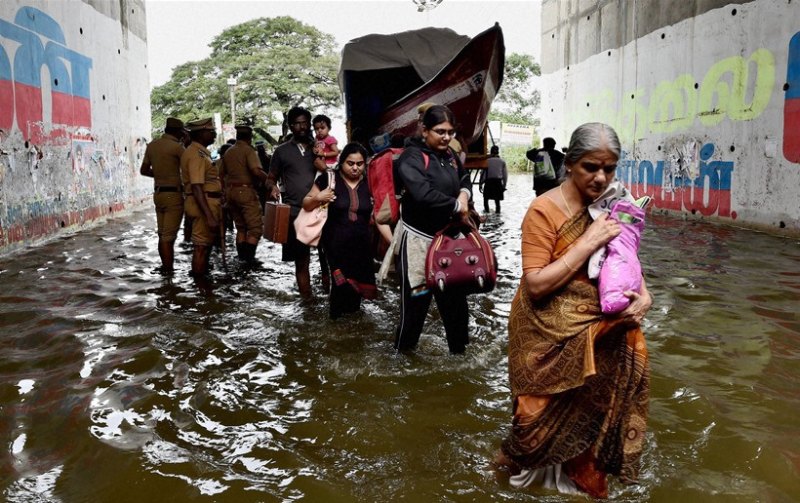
x=203 y=189
x=241 y=171
x=162 y=162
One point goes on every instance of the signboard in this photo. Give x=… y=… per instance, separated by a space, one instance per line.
x=516 y=134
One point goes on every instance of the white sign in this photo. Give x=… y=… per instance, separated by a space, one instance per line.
x=516 y=134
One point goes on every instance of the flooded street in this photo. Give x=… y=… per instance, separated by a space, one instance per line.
x=117 y=384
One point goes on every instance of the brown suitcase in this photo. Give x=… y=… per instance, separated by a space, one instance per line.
x=276 y=221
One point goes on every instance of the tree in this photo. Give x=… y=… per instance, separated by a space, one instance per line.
x=518 y=99
x=278 y=63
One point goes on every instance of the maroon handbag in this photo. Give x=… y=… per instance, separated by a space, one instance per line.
x=459 y=259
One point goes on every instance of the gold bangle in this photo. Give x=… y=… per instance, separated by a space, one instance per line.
x=564 y=258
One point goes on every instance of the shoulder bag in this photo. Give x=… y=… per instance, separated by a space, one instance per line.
x=308 y=224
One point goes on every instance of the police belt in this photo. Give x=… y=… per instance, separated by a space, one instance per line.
x=236 y=185
x=166 y=189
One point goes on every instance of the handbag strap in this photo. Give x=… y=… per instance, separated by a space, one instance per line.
x=331 y=179
x=458 y=226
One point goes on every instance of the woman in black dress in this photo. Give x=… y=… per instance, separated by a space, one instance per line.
x=346 y=236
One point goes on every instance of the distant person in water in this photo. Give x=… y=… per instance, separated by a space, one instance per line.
x=551 y=164
x=493 y=180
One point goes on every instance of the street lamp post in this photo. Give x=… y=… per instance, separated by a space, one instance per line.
x=232 y=87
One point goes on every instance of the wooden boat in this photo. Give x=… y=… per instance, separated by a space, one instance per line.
x=384 y=78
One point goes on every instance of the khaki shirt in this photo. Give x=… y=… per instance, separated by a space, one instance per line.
x=197 y=168
x=164 y=156
x=237 y=163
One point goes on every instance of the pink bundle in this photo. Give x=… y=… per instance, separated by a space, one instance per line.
x=621 y=270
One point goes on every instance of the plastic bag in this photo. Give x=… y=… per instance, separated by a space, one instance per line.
x=544 y=169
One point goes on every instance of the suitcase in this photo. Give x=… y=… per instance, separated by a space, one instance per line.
x=460 y=260
x=276 y=221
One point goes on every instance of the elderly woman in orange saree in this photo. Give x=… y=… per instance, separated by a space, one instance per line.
x=579 y=378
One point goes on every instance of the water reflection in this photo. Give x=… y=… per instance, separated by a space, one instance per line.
x=240 y=391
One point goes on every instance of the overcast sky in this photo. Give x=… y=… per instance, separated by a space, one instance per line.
x=180 y=30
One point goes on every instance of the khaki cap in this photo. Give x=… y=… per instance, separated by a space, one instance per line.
x=243 y=128
x=199 y=124
x=174 y=123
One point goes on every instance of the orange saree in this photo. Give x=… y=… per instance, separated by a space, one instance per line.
x=580 y=380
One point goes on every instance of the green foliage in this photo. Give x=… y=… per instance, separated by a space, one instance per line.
x=278 y=63
x=518 y=99
x=514 y=155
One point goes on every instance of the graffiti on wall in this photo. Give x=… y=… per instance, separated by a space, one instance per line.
x=82 y=152
x=33 y=41
x=737 y=88
x=791 y=107
x=689 y=180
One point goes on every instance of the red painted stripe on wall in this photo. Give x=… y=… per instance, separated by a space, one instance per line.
x=6 y=104
x=791 y=130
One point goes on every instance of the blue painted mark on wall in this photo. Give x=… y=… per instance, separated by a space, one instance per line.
x=40 y=42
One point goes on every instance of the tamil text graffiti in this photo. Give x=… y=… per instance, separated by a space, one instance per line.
x=738 y=88
x=682 y=183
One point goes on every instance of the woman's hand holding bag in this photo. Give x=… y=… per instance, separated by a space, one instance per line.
x=308 y=224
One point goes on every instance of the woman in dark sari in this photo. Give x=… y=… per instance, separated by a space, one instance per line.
x=346 y=236
x=579 y=378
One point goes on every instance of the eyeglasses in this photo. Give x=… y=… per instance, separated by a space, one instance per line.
x=445 y=132
x=354 y=163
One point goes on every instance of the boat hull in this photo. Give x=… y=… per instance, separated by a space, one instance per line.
x=467 y=85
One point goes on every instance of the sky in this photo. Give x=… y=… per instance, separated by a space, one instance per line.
x=180 y=30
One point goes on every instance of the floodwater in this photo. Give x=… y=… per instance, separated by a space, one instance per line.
x=117 y=384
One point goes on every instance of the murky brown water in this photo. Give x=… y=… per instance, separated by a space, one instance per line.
x=119 y=385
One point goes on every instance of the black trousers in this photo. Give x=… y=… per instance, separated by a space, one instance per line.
x=413 y=310
x=343 y=299
x=486 y=205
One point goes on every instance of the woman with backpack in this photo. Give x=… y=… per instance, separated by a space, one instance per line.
x=436 y=191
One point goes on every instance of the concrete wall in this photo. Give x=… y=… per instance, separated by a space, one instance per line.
x=74 y=114
x=705 y=96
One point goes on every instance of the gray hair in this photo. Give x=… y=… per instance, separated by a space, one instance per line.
x=591 y=137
